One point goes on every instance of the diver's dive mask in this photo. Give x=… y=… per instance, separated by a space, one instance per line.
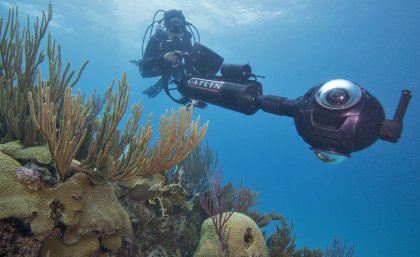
x=176 y=26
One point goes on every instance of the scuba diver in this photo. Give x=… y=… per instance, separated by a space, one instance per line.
x=163 y=54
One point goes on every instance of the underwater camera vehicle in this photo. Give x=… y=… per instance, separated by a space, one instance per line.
x=335 y=118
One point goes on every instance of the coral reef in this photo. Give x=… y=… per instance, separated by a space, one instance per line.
x=244 y=238
x=163 y=225
x=78 y=214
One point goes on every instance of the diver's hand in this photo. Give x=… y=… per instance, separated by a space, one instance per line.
x=171 y=57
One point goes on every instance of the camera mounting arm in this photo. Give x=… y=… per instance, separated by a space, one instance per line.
x=279 y=105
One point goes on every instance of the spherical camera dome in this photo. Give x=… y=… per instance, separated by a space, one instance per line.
x=338 y=94
x=329 y=157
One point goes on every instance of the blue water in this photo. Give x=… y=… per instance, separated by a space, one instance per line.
x=371 y=200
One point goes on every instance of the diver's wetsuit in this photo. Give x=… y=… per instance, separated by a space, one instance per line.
x=153 y=63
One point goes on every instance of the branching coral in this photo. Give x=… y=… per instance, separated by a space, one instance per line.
x=20 y=57
x=178 y=137
x=216 y=206
x=196 y=168
x=65 y=141
x=59 y=80
x=246 y=198
x=339 y=249
x=61 y=120
x=106 y=158
x=112 y=157
x=20 y=60
x=282 y=243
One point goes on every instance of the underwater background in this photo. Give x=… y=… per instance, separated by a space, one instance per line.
x=373 y=199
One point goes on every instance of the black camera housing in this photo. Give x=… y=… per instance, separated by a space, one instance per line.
x=339 y=131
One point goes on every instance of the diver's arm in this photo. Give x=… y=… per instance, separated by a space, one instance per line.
x=187 y=44
x=153 y=63
x=187 y=48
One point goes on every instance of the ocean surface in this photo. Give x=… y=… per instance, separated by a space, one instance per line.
x=372 y=200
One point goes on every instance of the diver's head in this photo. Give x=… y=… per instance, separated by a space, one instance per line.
x=174 y=21
x=337 y=118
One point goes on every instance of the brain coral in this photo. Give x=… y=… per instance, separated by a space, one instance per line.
x=101 y=213
x=39 y=153
x=18 y=201
x=245 y=238
x=55 y=247
x=83 y=208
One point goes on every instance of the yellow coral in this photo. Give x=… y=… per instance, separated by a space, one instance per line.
x=63 y=143
x=54 y=247
x=244 y=239
x=20 y=202
x=101 y=213
x=11 y=148
x=83 y=208
x=112 y=241
x=15 y=149
x=7 y=164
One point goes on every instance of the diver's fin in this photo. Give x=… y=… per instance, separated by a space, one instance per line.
x=154 y=90
x=136 y=62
